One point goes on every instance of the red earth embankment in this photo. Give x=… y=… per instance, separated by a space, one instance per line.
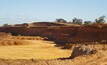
x=63 y=34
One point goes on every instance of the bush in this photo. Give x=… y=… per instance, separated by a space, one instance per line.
x=77 y=21
x=87 y=22
x=100 y=20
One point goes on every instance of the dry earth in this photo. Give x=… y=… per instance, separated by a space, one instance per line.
x=36 y=51
x=45 y=53
x=39 y=49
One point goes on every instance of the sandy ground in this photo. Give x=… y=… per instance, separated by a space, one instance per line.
x=39 y=49
x=99 y=58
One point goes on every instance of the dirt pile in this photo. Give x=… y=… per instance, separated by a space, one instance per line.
x=82 y=50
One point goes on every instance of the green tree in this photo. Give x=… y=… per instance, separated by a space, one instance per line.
x=5 y=25
x=60 y=20
x=100 y=20
x=77 y=21
x=87 y=22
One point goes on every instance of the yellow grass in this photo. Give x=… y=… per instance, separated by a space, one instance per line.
x=39 y=49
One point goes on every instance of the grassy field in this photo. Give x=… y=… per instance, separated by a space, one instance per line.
x=39 y=49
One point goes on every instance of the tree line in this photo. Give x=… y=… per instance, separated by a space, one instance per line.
x=100 y=20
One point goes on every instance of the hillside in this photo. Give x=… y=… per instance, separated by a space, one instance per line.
x=43 y=24
x=52 y=45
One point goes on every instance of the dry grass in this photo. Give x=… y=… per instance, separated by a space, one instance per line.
x=47 y=51
x=6 y=42
x=40 y=49
x=14 y=48
x=29 y=47
x=7 y=39
x=27 y=37
x=37 y=50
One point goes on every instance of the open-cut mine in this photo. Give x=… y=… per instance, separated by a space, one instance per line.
x=53 y=44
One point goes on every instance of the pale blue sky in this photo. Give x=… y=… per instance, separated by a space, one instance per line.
x=20 y=11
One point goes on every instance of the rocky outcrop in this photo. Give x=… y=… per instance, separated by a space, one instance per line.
x=82 y=50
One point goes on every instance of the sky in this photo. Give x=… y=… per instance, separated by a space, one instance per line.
x=27 y=11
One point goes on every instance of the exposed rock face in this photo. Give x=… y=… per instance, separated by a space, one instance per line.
x=82 y=50
x=82 y=34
